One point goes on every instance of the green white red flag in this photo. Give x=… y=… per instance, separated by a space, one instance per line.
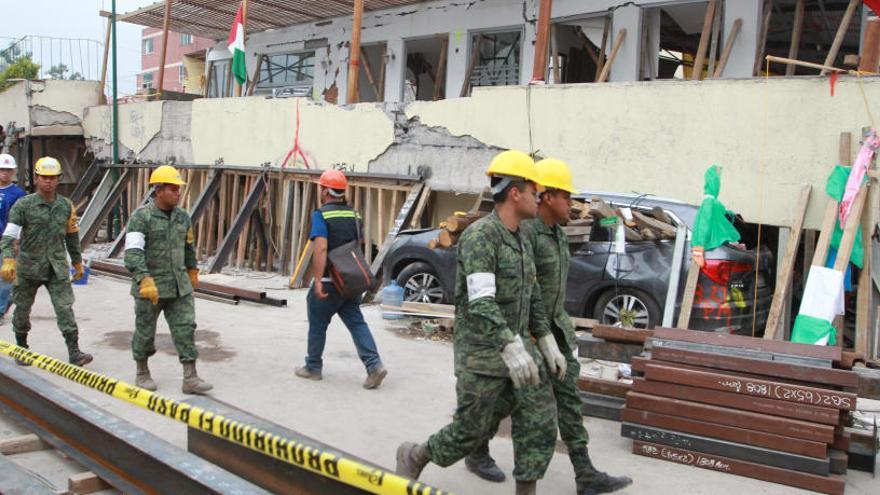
x=236 y=47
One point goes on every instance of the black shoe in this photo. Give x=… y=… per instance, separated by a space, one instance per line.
x=603 y=483
x=484 y=467
x=80 y=358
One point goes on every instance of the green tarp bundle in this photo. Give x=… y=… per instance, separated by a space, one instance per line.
x=712 y=227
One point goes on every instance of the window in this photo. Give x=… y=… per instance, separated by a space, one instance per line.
x=147 y=80
x=292 y=71
x=148 y=46
x=181 y=74
x=220 y=85
x=498 y=63
x=186 y=39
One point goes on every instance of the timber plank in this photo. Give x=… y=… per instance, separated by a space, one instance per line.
x=823 y=415
x=754 y=387
x=639 y=363
x=788 y=427
x=727 y=340
x=831 y=485
x=839 y=378
x=617 y=334
x=771 y=441
x=603 y=387
x=593 y=348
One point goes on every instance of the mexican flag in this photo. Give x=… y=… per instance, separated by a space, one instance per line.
x=236 y=46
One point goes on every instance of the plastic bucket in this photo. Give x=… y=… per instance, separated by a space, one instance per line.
x=85 y=278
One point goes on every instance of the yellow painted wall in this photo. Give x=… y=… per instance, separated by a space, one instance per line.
x=255 y=130
x=195 y=75
x=771 y=137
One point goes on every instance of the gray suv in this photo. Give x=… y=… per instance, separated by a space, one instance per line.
x=628 y=289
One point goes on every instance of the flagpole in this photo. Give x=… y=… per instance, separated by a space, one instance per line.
x=354 y=52
x=244 y=17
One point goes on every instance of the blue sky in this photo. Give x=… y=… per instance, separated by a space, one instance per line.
x=76 y=19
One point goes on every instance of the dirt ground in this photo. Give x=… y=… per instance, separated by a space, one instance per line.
x=249 y=353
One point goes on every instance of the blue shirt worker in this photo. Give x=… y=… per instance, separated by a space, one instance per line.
x=9 y=194
x=334 y=225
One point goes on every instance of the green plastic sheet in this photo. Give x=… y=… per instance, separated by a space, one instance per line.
x=712 y=227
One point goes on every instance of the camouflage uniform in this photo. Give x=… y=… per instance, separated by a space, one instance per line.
x=48 y=232
x=484 y=325
x=160 y=244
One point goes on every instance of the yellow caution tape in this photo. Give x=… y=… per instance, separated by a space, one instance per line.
x=295 y=452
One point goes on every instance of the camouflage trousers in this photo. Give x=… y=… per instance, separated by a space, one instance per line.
x=61 y=295
x=533 y=414
x=180 y=313
x=569 y=408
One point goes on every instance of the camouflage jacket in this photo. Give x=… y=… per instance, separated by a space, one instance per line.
x=47 y=232
x=552 y=260
x=161 y=245
x=496 y=297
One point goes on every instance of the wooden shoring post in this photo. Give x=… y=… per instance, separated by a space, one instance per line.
x=687 y=300
x=554 y=54
x=119 y=242
x=241 y=218
x=400 y=218
x=382 y=69
x=865 y=294
x=113 y=196
x=209 y=71
x=368 y=224
x=201 y=238
x=85 y=181
x=380 y=218
x=368 y=71
x=298 y=214
x=211 y=228
x=589 y=47
x=797 y=30
x=287 y=229
x=228 y=91
x=728 y=47
x=705 y=35
x=166 y=22
x=606 y=33
x=252 y=84
x=618 y=41
x=823 y=245
x=542 y=33
x=306 y=217
x=841 y=33
x=416 y=221
x=208 y=192
x=786 y=274
x=762 y=37
x=475 y=57
x=243 y=239
x=440 y=75
x=103 y=85
x=716 y=39
x=354 y=53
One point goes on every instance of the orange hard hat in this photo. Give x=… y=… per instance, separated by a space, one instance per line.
x=334 y=179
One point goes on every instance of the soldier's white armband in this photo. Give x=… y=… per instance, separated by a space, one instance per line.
x=13 y=230
x=480 y=285
x=135 y=240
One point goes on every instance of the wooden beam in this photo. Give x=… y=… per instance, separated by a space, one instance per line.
x=706 y=33
x=252 y=85
x=796 y=31
x=106 y=54
x=606 y=33
x=165 y=25
x=440 y=76
x=687 y=299
x=22 y=444
x=554 y=54
x=841 y=33
x=475 y=56
x=785 y=276
x=728 y=47
x=870 y=59
x=416 y=220
x=542 y=31
x=606 y=69
x=85 y=483
x=762 y=37
x=369 y=72
x=235 y=230
x=354 y=53
x=716 y=37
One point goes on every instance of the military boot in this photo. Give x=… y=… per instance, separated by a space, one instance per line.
x=74 y=355
x=143 y=379
x=526 y=487
x=482 y=464
x=21 y=341
x=411 y=459
x=591 y=481
x=192 y=384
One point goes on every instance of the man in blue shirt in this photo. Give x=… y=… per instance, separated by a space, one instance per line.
x=9 y=194
x=334 y=225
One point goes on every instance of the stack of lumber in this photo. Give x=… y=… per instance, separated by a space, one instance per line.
x=451 y=229
x=639 y=224
x=762 y=409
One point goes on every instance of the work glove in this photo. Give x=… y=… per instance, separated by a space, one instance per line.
x=148 y=290
x=193 y=274
x=555 y=360
x=7 y=272
x=523 y=370
x=78 y=271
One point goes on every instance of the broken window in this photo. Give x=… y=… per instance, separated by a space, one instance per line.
x=372 y=73
x=496 y=58
x=220 y=79
x=290 y=73
x=425 y=69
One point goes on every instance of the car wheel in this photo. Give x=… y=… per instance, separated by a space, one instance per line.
x=420 y=284
x=627 y=307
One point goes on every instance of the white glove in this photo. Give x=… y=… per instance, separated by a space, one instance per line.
x=523 y=369
x=555 y=360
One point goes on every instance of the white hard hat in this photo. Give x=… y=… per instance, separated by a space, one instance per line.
x=7 y=161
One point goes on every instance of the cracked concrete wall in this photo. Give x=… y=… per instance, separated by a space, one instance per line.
x=47 y=108
x=158 y=131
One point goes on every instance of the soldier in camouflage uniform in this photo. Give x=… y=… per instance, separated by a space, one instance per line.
x=161 y=256
x=47 y=230
x=498 y=312
x=552 y=259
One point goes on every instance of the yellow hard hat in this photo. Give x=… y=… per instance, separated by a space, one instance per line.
x=47 y=166
x=555 y=174
x=512 y=163
x=166 y=174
